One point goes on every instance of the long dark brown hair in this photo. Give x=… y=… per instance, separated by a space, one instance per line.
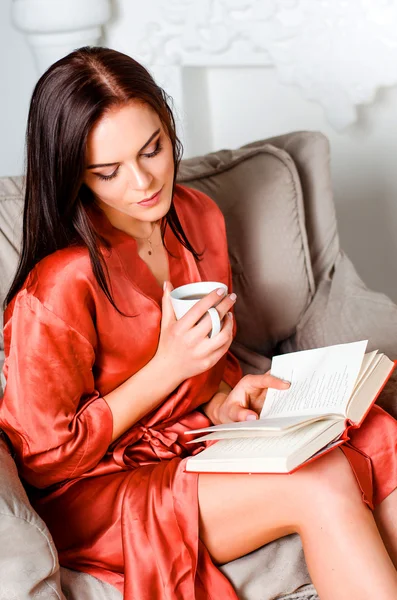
x=69 y=98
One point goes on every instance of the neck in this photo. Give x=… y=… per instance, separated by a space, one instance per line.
x=146 y=236
x=133 y=227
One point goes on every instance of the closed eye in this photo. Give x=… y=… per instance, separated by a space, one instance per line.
x=107 y=177
x=156 y=151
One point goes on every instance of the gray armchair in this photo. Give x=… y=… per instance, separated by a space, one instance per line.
x=296 y=290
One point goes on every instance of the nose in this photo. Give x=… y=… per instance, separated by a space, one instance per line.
x=140 y=178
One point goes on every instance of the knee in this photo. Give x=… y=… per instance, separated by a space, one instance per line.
x=329 y=482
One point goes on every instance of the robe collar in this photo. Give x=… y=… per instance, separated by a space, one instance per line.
x=183 y=267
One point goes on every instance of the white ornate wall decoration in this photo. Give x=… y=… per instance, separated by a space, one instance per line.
x=54 y=28
x=338 y=52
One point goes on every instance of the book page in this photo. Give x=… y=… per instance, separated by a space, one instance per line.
x=369 y=362
x=266 y=454
x=366 y=392
x=246 y=447
x=244 y=432
x=277 y=426
x=322 y=380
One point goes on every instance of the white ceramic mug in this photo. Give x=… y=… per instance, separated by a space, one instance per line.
x=182 y=300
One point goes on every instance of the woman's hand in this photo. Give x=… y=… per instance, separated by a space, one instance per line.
x=245 y=401
x=184 y=346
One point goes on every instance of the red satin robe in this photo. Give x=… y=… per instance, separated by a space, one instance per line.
x=126 y=512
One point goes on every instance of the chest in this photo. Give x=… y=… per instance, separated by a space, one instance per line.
x=157 y=262
x=127 y=343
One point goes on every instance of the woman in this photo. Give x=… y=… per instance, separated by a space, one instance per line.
x=102 y=380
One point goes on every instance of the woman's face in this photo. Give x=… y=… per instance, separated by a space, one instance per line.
x=129 y=158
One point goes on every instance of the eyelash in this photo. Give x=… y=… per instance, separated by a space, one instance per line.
x=156 y=151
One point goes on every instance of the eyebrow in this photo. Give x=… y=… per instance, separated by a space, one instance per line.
x=140 y=150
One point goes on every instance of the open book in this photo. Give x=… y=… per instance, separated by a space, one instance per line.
x=332 y=389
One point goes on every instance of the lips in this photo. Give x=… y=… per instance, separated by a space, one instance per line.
x=151 y=197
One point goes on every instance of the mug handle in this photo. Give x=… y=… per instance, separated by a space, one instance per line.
x=215 y=320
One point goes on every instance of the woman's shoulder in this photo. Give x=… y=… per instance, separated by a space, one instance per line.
x=57 y=271
x=62 y=283
x=196 y=201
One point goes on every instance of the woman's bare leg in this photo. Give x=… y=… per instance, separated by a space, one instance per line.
x=386 y=519
x=344 y=552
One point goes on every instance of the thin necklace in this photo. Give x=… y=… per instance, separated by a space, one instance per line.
x=148 y=240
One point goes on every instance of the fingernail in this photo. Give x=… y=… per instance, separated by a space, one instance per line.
x=220 y=292
x=288 y=383
x=164 y=285
x=233 y=296
x=230 y=315
x=251 y=418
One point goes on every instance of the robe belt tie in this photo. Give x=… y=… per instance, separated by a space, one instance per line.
x=156 y=445
x=156 y=438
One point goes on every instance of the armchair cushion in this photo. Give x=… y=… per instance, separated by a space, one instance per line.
x=345 y=310
x=29 y=565
x=310 y=153
x=272 y=273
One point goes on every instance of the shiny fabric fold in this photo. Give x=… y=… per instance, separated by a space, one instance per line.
x=373 y=455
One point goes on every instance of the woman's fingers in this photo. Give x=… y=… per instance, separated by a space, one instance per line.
x=199 y=310
x=257 y=403
x=214 y=348
x=218 y=343
x=204 y=326
x=167 y=314
x=240 y=413
x=258 y=382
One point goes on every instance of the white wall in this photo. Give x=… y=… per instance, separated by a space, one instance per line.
x=17 y=78
x=247 y=104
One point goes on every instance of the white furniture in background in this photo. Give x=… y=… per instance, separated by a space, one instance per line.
x=337 y=53
x=54 y=28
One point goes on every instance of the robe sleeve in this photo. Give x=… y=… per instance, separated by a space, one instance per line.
x=233 y=372
x=58 y=423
